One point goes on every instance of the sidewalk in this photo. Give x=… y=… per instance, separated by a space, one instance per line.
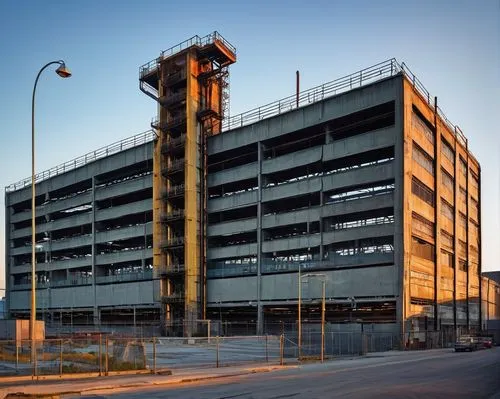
x=76 y=386
x=408 y=352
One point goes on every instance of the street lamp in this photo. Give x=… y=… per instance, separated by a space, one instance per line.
x=220 y=317
x=63 y=72
x=299 y=338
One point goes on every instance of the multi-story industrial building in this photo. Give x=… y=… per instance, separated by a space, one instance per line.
x=361 y=182
x=94 y=238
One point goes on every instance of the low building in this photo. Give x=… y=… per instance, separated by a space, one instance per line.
x=491 y=302
x=2 y=308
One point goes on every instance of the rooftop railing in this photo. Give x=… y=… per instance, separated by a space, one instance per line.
x=417 y=84
x=355 y=80
x=358 y=79
x=193 y=41
x=130 y=142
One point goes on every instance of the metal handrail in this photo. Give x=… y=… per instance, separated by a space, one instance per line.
x=175 y=268
x=130 y=142
x=418 y=85
x=192 y=41
x=174 y=190
x=173 y=297
x=176 y=164
x=176 y=76
x=172 y=98
x=145 y=275
x=176 y=141
x=179 y=240
x=368 y=75
x=175 y=213
x=357 y=79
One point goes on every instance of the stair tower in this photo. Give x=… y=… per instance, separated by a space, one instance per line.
x=190 y=84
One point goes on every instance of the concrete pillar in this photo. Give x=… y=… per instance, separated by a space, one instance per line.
x=399 y=206
x=9 y=279
x=321 y=203
x=328 y=135
x=260 y=313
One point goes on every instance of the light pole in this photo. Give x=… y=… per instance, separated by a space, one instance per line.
x=220 y=317
x=63 y=72
x=323 y=309
x=299 y=327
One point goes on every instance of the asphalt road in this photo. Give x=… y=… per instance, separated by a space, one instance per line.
x=410 y=375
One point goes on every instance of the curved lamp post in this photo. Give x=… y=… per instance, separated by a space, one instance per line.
x=63 y=72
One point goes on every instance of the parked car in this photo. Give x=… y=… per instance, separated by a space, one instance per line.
x=468 y=343
x=487 y=342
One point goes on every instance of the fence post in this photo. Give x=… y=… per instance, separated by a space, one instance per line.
x=282 y=348
x=33 y=366
x=364 y=344
x=267 y=357
x=43 y=352
x=217 y=353
x=154 y=355
x=61 y=358
x=208 y=331
x=100 y=355
x=106 y=365
x=17 y=355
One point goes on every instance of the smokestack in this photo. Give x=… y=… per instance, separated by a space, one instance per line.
x=298 y=87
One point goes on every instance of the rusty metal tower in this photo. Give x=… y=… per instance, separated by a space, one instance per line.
x=190 y=83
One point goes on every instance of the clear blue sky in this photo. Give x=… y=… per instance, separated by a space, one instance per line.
x=452 y=46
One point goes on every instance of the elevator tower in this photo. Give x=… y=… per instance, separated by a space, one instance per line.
x=190 y=83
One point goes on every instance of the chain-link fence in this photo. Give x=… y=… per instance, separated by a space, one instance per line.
x=334 y=344
x=104 y=354
x=100 y=354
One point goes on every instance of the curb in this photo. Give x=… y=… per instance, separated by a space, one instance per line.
x=171 y=380
x=83 y=376
x=181 y=380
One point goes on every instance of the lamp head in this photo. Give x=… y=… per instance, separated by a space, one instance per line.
x=62 y=71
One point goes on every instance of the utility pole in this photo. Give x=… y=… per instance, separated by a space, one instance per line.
x=299 y=340
x=323 y=309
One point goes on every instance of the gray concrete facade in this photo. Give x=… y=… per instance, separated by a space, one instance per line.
x=311 y=189
x=94 y=240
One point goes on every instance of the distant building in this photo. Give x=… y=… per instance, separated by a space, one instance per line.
x=491 y=301
x=2 y=308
